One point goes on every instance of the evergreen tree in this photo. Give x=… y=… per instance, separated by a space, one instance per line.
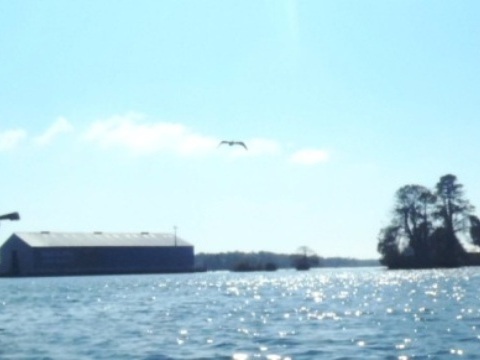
x=452 y=212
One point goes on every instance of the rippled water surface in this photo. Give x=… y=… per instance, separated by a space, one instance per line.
x=367 y=313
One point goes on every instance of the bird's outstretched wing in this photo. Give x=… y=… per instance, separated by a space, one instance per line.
x=241 y=143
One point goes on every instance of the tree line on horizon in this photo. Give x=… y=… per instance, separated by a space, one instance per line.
x=264 y=260
x=426 y=226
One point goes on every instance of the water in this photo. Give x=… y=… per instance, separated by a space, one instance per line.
x=367 y=313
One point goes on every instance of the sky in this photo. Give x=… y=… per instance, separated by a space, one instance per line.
x=111 y=113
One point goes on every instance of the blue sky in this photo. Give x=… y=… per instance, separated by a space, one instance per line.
x=111 y=112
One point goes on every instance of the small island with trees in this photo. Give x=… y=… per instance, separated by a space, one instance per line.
x=431 y=228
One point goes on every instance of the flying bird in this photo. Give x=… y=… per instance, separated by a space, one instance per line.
x=231 y=143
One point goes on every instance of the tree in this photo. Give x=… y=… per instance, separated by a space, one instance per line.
x=413 y=215
x=410 y=226
x=452 y=212
x=388 y=246
x=452 y=209
x=305 y=258
x=475 y=230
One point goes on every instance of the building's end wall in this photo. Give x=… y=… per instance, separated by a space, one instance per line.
x=16 y=257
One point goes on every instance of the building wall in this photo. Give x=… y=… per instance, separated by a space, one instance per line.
x=112 y=260
x=19 y=259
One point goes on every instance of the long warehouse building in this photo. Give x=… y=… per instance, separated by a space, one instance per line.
x=58 y=253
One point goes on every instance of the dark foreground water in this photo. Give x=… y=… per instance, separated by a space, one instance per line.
x=366 y=313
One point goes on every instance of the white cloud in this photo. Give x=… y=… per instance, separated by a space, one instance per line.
x=309 y=157
x=137 y=134
x=11 y=138
x=58 y=127
x=133 y=133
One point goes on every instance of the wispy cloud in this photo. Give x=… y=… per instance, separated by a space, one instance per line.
x=11 y=138
x=134 y=133
x=139 y=135
x=60 y=126
x=309 y=157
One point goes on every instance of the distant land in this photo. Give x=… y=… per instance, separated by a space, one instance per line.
x=259 y=260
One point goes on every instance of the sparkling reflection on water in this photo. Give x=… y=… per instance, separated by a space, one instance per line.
x=367 y=313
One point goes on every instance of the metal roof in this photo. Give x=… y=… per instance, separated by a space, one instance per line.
x=99 y=239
